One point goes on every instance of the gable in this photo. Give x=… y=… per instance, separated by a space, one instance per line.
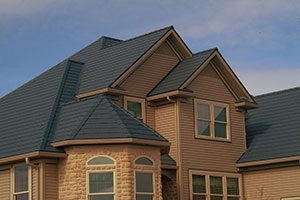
x=150 y=73
x=209 y=85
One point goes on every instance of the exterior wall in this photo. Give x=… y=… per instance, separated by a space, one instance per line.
x=165 y=124
x=272 y=184
x=51 y=181
x=73 y=170
x=146 y=77
x=5 y=184
x=201 y=154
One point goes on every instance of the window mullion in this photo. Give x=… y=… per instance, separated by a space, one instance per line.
x=207 y=187
x=212 y=121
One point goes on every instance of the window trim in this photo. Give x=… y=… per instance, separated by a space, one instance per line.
x=212 y=121
x=100 y=171
x=29 y=191
x=137 y=100
x=100 y=165
x=153 y=180
x=224 y=176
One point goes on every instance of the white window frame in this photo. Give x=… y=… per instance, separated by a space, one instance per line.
x=137 y=100
x=105 y=193
x=29 y=191
x=207 y=174
x=153 y=180
x=212 y=120
x=142 y=164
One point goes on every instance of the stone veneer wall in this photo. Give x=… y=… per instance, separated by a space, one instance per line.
x=73 y=170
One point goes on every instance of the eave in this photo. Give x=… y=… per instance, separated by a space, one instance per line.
x=269 y=161
x=175 y=93
x=164 y=145
x=107 y=90
x=36 y=154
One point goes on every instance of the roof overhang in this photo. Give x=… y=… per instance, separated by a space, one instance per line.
x=164 y=145
x=246 y=105
x=268 y=162
x=175 y=93
x=36 y=154
x=107 y=90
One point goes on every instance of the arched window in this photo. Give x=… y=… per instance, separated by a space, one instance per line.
x=143 y=161
x=101 y=160
x=144 y=179
x=101 y=185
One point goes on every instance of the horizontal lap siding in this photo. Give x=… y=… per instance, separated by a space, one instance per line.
x=5 y=185
x=35 y=182
x=51 y=181
x=148 y=75
x=204 y=154
x=165 y=124
x=272 y=184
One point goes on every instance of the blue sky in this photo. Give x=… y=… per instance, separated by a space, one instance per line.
x=259 y=39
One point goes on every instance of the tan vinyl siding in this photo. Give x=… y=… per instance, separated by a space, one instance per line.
x=150 y=116
x=272 y=184
x=5 y=184
x=51 y=181
x=35 y=173
x=147 y=76
x=165 y=124
x=204 y=154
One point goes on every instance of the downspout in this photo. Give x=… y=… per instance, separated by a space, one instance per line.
x=170 y=100
x=28 y=163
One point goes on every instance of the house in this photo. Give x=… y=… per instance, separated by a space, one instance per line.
x=146 y=118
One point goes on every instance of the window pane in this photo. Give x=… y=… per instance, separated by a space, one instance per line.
x=199 y=184
x=232 y=186
x=21 y=179
x=216 y=198
x=203 y=128
x=216 y=185
x=22 y=196
x=144 y=197
x=102 y=197
x=220 y=114
x=203 y=111
x=199 y=197
x=101 y=160
x=135 y=109
x=220 y=130
x=143 y=161
x=144 y=182
x=233 y=198
x=101 y=182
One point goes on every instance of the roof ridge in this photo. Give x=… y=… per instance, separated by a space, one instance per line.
x=278 y=92
x=167 y=27
x=210 y=49
x=85 y=119
x=130 y=115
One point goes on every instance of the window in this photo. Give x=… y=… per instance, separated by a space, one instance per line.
x=136 y=107
x=101 y=160
x=101 y=182
x=143 y=161
x=144 y=185
x=144 y=178
x=21 y=182
x=214 y=186
x=101 y=185
x=211 y=120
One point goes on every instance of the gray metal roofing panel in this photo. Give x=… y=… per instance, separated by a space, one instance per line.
x=167 y=160
x=103 y=66
x=273 y=130
x=25 y=113
x=181 y=72
x=100 y=118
